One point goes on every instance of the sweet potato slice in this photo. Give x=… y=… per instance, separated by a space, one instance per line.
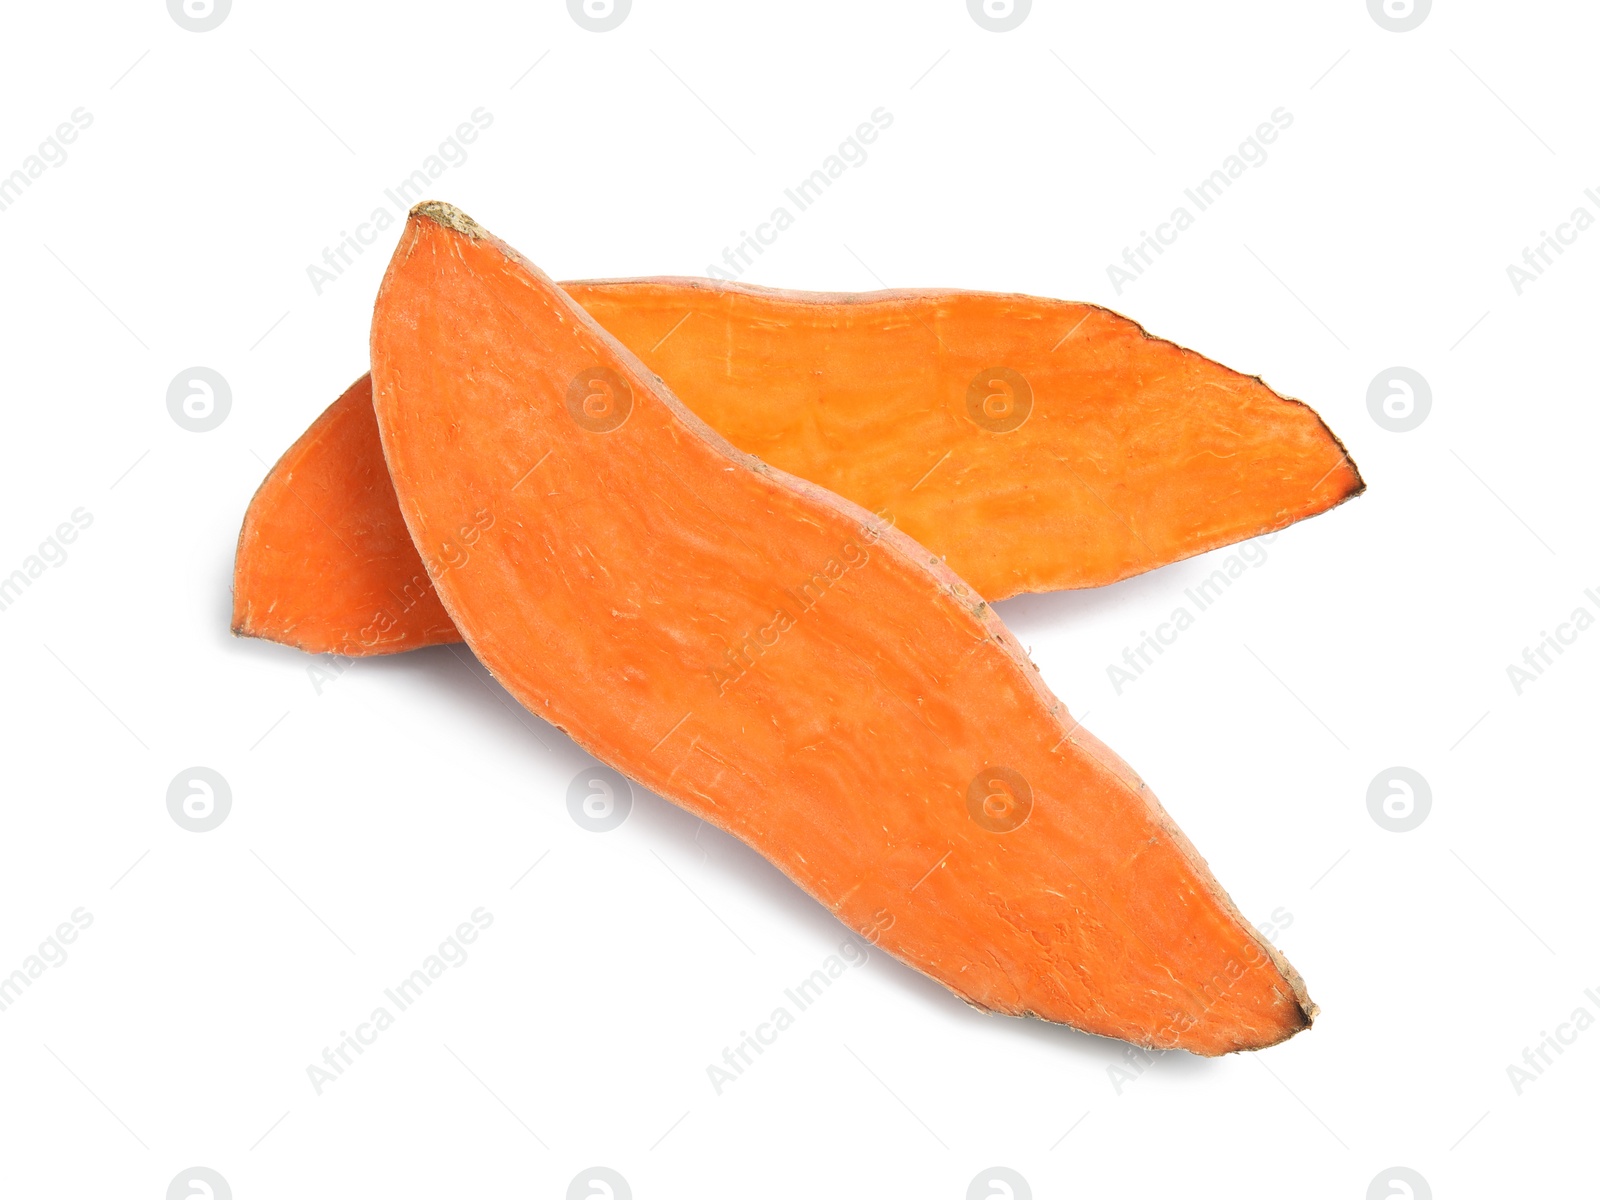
x=780 y=662
x=325 y=562
x=1034 y=444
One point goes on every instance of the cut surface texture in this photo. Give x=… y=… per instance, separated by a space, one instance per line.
x=1033 y=444
x=785 y=665
x=325 y=562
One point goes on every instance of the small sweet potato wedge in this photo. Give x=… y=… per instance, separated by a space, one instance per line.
x=784 y=664
x=324 y=561
x=1033 y=444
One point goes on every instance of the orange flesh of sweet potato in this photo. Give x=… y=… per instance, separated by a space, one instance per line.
x=325 y=562
x=1131 y=452
x=776 y=660
x=1034 y=444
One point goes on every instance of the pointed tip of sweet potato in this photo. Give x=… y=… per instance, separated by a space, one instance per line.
x=1348 y=487
x=1358 y=484
x=450 y=216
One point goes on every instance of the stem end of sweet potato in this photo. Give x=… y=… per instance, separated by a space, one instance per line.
x=450 y=217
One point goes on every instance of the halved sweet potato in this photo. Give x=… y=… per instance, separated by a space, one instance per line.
x=1034 y=444
x=780 y=662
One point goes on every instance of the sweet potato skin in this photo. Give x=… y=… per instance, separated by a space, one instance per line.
x=778 y=661
x=1133 y=452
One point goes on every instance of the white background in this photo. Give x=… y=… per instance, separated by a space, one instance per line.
x=372 y=817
